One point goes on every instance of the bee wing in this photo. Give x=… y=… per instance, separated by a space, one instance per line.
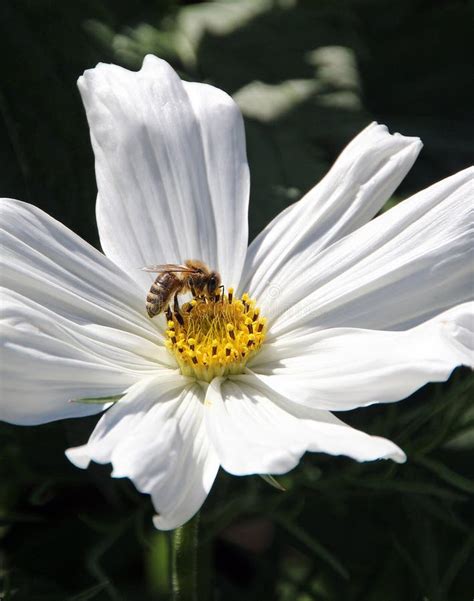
x=168 y=267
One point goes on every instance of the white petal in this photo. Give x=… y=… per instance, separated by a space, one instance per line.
x=171 y=169
x=255 y=431
x=48 y=360
x=364 y=176
x=344 y=368
x=155 y=436
x=403 y=267
x=46 y=262
x=72 y=323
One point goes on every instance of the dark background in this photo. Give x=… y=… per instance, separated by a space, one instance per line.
x=308 y=76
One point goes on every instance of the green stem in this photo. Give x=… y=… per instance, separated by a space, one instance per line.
x=184 y=542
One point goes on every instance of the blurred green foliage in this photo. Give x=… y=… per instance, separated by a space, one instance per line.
x=307 y=75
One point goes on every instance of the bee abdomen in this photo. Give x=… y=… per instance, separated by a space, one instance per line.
x=155 y=302
x=160 y=291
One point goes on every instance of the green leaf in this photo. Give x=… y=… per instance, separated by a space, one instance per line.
x=315 y=546
x=405 y=486
x=444 y=473
x=99 y=400
x=437 y=510
x=269 y=479
x=19 y=518
x=89 y=593
x=410 y=562
x=457 y=563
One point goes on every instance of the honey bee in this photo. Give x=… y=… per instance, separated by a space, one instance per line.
x=193 y=276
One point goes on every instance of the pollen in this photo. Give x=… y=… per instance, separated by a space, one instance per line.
x=215 y=337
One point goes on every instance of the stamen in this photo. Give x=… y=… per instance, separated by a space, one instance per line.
x=215 y=336
x=249 y=324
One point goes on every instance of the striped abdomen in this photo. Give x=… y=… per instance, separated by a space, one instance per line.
x=164 y=286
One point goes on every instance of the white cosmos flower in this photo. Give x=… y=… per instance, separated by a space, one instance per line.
x=357 y=311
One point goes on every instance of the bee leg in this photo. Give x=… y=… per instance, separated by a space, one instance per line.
x=220 y=296
x=169 y=314
x=176 y=304
x=192 y=288
x=177 y=312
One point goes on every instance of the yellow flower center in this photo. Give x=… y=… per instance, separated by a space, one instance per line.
x=216 y=337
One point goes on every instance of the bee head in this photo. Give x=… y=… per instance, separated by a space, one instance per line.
x=213 y=283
